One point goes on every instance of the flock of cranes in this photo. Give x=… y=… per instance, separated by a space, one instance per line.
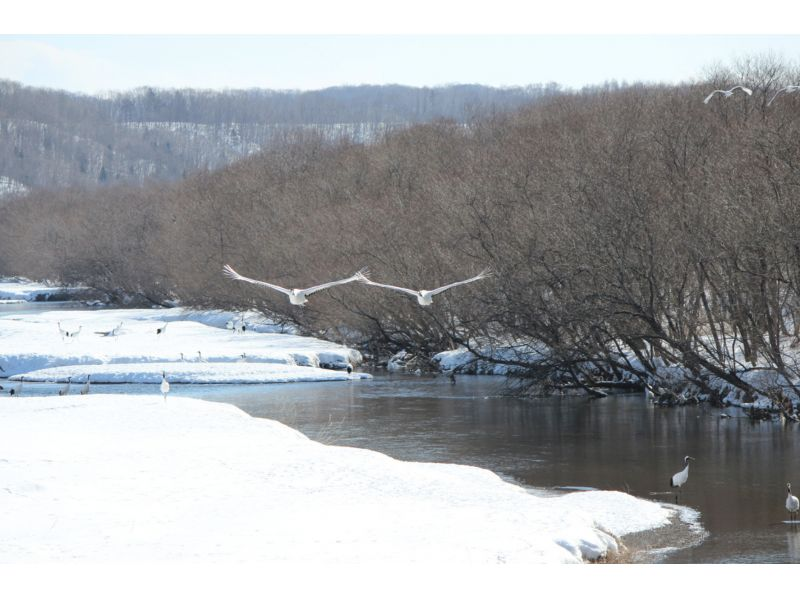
x=300 y=296
x=680 y=479
x=729 y=92
x=17 y=390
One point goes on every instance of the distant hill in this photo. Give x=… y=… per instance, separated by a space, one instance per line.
x=51 y=138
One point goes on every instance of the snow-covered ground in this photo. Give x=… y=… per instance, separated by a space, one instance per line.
x=125 y=346
x=464 y=361
x=22 y=289
x=188 y=373
x=10 y=186
x=128 y=478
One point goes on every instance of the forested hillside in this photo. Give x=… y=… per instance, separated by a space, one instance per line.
x=54 y=138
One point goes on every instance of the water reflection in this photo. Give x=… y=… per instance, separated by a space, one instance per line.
x=793 y=543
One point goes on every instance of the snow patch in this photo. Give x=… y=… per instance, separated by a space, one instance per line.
x=188 y=373
x=110 y=478
x=21 y=289
x=193 y=344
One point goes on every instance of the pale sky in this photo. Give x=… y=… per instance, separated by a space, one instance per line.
x=392 y=43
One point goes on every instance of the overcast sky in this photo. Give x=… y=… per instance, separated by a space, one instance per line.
x=382 y=52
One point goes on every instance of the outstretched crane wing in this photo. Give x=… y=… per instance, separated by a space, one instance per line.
x=231 y=273
x=360 y=275
x=483 y=274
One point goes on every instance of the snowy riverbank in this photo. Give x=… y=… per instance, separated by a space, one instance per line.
x=117 y=346
x=111 y=477
x=769 y=391
x=21 y=289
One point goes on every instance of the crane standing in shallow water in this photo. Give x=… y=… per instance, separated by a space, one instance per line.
x=680 y=478
x=87 y=386
x=792 y=503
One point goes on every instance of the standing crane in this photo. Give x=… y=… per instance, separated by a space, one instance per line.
x=85 y=389
x=792 y=503
x=164 y=385
x=65 y=391
x=680 y=478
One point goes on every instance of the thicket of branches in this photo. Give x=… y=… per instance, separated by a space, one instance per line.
x=636 y=222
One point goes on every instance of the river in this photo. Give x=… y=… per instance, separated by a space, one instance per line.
x=621 y=442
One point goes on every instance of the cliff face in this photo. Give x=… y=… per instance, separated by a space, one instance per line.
x=53 y=138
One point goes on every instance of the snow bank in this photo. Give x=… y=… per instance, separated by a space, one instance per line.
x=188 y=373
x=97 y=340
x=22 y=289
x=9 y=186
x=674 y=377
x=110 y=477
x=464 y=361
x=254 y=321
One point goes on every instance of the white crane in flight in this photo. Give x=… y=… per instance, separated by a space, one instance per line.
x=787 y=89
x=728 y=92
x=296 y=296
x=424 y=297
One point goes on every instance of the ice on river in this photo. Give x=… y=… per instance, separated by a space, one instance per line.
x=135 y=477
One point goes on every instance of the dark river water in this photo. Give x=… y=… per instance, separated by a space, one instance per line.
x=737 y=482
